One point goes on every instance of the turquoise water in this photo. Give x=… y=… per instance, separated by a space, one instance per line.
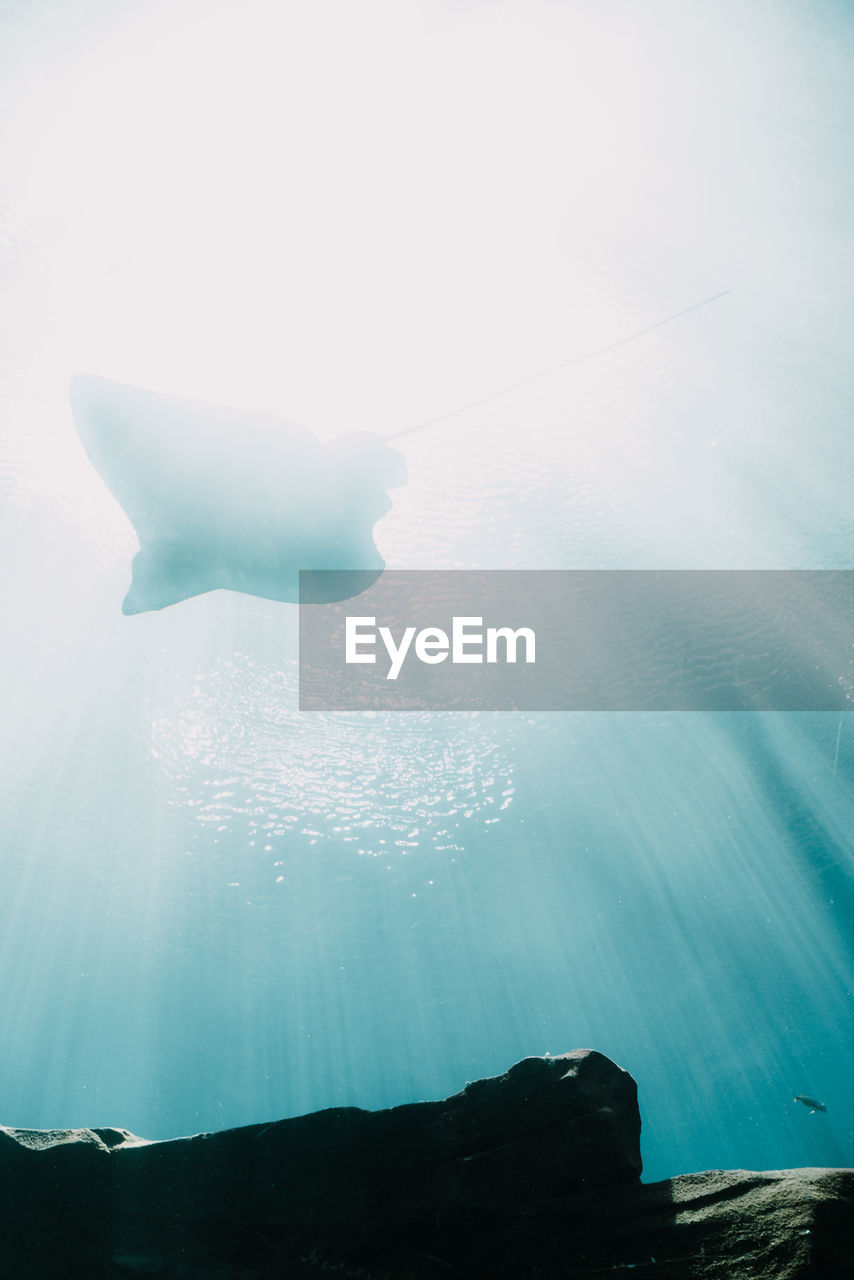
x=217 y=910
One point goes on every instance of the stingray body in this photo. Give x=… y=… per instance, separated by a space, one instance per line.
x=222 y=498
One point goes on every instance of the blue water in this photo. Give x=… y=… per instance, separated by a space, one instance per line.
x=217 y=910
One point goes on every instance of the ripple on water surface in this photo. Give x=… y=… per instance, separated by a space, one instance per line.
x=250 y=765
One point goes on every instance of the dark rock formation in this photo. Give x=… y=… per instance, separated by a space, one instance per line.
x=531 y=1174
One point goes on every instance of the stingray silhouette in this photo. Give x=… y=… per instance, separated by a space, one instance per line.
x=222 y=498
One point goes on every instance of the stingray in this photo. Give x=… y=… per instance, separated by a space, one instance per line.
x=244 y=501
x=222 y=498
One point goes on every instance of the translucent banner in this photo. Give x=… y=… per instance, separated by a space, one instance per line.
x=554 y=640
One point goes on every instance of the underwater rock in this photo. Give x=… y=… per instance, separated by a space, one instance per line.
x=531 y=1173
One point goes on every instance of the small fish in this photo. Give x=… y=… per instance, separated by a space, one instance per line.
x=809 y=1102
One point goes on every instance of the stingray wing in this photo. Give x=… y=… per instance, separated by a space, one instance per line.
x=174 y=463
